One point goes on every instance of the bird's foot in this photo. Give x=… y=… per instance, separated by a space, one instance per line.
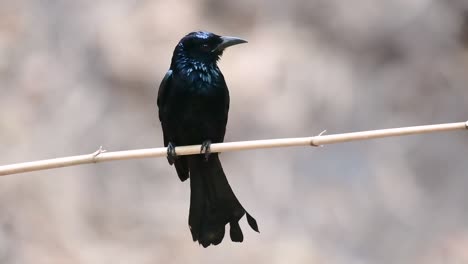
x=171 y=154
x=205 y=149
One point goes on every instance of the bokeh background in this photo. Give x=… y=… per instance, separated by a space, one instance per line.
x=75 y=75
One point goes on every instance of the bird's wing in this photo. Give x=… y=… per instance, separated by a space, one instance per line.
x=165 y=83
x=161 y=102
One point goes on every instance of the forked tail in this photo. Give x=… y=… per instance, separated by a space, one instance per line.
x=213 y=204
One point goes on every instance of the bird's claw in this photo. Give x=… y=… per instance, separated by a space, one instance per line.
x=205 y=149
x=171 y=154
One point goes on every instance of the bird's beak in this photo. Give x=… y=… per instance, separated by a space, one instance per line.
x=227 y=42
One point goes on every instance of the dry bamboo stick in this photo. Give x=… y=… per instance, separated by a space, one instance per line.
x=101 y=155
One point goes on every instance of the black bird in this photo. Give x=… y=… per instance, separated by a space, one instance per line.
x=193 y=102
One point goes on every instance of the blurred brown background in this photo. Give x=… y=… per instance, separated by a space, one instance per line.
x=75 y=75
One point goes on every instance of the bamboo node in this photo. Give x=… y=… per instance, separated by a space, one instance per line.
x=97 y=152
x=312 y=140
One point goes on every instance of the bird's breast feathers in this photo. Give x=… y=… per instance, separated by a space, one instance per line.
x=201 y=76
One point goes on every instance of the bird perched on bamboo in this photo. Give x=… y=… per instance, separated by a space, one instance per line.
x=193 y=102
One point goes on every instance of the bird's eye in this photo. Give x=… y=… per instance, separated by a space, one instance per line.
x=205 y=47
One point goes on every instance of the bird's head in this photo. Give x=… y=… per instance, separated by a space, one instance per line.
x=204 y=46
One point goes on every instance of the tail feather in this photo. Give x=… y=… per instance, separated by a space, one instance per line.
x=236 y=232
x=213 y=204
x=252 y=222
x=197 y=199
x=181 y=165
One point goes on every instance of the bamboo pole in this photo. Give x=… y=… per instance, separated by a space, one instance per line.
x=101 y=155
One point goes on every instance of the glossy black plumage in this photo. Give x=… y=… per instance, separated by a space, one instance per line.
x=193 y=101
